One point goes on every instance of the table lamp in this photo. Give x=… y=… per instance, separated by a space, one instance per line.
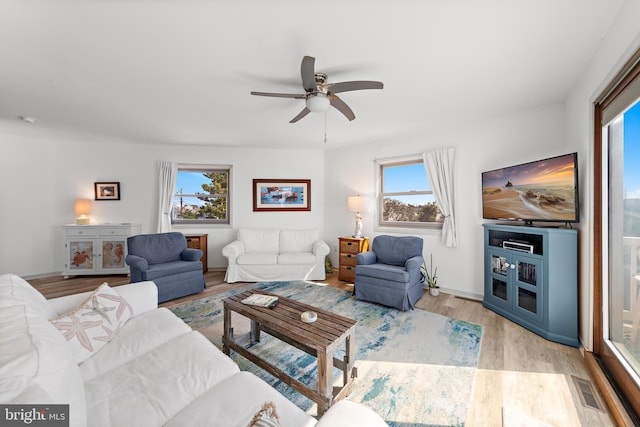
x=356 y=204
x=83 y=209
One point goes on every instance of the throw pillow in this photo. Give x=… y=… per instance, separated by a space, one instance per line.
x=92 y=325
x=267 y=416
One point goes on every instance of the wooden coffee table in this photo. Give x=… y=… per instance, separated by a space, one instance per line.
x=318 y=339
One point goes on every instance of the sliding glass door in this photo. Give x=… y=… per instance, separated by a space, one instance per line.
x=617 y=235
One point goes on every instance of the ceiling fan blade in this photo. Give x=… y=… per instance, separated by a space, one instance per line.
x=300 y=115
x=307 y=71
x=340 y=105
x=354 y=85
x=279 y=95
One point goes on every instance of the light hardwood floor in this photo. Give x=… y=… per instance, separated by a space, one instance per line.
x=518 y=370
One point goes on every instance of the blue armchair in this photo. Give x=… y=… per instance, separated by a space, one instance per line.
x=165 y=259
x=389 y=273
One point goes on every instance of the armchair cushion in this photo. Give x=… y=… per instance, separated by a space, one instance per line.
x=158 y=248
x=394 y=250
x=385 y=272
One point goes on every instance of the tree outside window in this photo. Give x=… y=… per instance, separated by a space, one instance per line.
x=406 y=199
x=202 y=196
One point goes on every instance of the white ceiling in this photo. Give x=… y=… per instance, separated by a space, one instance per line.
x=180 y=71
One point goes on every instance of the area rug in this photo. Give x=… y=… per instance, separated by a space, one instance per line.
x=414 y=368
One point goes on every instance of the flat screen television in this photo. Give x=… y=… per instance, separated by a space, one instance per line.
x=543 y=190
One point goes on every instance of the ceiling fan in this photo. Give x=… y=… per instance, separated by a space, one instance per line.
x=319 y=93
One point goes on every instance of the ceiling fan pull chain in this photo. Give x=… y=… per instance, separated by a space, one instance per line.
x=325 y=127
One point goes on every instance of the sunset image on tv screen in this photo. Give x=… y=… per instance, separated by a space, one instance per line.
x=542 y=190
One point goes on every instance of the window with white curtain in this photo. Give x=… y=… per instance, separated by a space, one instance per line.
x=405 y=198
x=202 y=195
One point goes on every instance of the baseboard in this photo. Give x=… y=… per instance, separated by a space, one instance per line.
x=41 y=275
x=460 y=294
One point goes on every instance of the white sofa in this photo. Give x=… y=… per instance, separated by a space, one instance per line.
x=266 y=255
x=153 y=371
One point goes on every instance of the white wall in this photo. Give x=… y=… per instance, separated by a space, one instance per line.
x=617 y=47
x=42 y=178
x=500 y=141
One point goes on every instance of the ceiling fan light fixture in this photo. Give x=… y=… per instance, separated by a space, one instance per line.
x=318 y=102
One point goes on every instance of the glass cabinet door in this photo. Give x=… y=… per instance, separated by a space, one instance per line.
x=113 y=254
x=81 y=255
x=528 y=288
x=499 y=278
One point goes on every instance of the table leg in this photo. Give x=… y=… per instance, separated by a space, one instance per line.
x=255 y=332
x=349 y=358
x=325 y=380
x=228 y=331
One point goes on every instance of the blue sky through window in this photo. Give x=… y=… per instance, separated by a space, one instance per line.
x=632 y=152
x=411 y=177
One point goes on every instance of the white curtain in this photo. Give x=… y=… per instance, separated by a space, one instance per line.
x=167 y=173
x=439 y=166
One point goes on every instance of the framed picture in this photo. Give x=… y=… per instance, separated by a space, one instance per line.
x=281 y=195
x=107 y=190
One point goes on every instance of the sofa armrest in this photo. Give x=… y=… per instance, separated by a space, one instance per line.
x=141 y=296
x=191 y=254
x=233 y=250
x=320 y=249
x=368 y=257
x=134 y=261
x=346 y=413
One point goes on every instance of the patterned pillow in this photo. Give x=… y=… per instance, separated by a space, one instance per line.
x=267 y=416
x=92 y=325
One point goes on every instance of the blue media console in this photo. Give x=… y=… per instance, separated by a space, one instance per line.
x=531 y=278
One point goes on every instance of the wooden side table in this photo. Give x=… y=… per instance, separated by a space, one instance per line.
x=199 y=241
x=349 y=247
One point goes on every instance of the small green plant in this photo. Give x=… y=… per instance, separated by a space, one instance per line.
x=328 y=268
x=430 y=275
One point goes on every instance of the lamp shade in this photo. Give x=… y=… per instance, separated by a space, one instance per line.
x=355 y=203
x=82 y=209
x=318 y=103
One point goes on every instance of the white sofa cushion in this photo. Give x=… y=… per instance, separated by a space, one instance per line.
x=296 y=258
x=346 y=413
x=298 y=240
x=14 y=288
x=36 y=361
x=256 y=240
x=94 y=323
x=140 y=335
x=235 y=401
x=152 y=388
x=258 y=258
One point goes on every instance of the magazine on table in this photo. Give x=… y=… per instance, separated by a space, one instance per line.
x=261 y=300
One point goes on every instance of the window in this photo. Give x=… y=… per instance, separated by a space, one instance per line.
x=616 y=233
x=202 y=195
x=406 y=199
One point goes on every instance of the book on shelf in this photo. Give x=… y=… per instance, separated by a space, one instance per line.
x=261 y=300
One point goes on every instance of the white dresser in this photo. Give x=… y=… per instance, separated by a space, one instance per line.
x=96 y=248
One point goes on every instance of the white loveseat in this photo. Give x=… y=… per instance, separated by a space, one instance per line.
x=154 y=371
x=266 y=255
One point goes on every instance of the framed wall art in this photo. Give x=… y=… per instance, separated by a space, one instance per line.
x=281 y=195
x=107 y=190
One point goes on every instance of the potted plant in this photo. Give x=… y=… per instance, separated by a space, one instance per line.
x=431 y=277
